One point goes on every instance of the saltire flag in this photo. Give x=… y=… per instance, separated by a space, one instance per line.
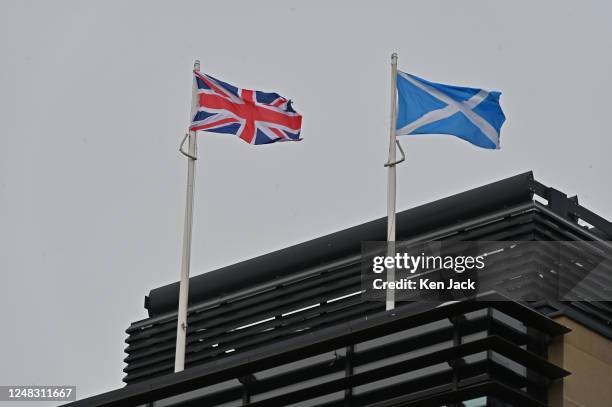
x=432 y=108
x=256 y=117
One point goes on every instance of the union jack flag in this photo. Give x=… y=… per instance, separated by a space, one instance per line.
x=254 y=116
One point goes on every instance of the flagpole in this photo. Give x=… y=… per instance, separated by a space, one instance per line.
x=181 y=326
x=391 y=184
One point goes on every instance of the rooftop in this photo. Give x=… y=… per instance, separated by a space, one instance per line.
x=248 y=320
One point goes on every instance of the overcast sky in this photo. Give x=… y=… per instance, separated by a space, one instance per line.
x=95 y=98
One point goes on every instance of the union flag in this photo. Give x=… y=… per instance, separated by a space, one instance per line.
x=256 y=117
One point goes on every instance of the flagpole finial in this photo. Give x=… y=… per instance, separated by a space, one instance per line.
x=196 y=65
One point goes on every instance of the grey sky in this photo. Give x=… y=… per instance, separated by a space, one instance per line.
x=95 y=99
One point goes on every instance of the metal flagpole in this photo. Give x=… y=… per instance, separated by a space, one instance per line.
x=181 y=326
x=391 y=163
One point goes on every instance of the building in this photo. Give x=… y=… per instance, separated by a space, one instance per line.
x=291 y=328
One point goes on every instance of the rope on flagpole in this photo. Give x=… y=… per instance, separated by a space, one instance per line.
x=401 y=160
x=193 y=157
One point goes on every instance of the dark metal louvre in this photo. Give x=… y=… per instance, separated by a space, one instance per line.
x=220 y=330
x=218 y=326
x=389 y=349
x=296 y=292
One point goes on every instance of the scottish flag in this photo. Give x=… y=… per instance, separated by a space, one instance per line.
x=432 y=108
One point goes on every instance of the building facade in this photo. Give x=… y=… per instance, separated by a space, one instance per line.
x=292 y=328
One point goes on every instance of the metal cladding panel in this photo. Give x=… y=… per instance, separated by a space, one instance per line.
x=444 y=212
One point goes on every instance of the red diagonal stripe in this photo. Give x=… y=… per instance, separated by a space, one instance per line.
x=250 y=111
x=212 y=85
x=213 y=124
